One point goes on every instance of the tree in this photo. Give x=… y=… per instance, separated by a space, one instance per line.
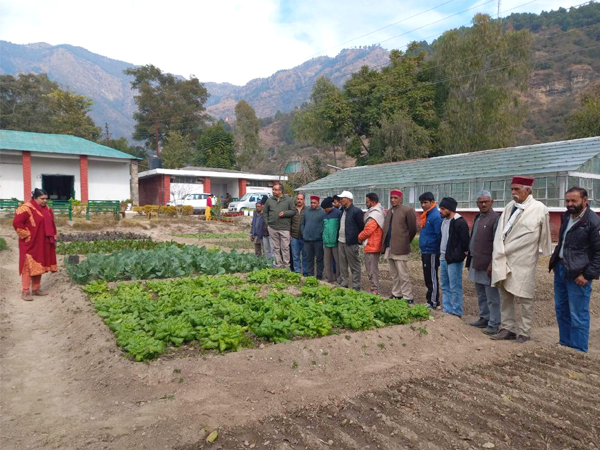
x=247 y=142
x=482 y=73
x=24 y=104
x=326 y=120
x=585 y=122
x=166 y=104
x=34 y=103
x=399 y=138
x=216 y=148
x=70 y=115
x=177 y=151
x=122 y=145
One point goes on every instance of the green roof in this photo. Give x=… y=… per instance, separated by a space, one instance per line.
x=563 y=156
x=26 y=141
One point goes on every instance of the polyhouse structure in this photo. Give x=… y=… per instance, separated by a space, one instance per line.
x=66 y=167
x=556 y=166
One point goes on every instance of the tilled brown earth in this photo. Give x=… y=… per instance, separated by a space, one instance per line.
x=544 y=400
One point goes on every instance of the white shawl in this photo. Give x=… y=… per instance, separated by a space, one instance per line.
x=515 y=257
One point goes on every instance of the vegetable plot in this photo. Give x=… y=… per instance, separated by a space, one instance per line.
x=100 y=236
x=83 y=248
x=227 y=312
x=166 y=262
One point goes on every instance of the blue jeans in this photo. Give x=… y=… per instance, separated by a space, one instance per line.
x=452 y=291
x=298 y=254
x=572 y=304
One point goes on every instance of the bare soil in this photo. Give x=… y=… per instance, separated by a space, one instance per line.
x=441 y=384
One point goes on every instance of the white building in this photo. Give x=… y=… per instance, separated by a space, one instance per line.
x=159 y=186
x=64 y=166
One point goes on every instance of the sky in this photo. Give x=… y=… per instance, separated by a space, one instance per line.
x=237 y=40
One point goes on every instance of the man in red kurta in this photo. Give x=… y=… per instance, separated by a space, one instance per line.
x=34 y=223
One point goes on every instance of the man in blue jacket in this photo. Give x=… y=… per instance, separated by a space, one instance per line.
x=429 y=243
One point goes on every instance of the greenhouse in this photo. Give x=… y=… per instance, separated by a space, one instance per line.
x=556 y=166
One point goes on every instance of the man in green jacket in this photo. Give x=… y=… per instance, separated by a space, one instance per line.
x=278 y=213
x=331 y=226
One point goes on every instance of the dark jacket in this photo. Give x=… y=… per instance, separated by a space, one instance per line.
x=399 y=229
x=430 y=235
x=355 y=223
x=311 y=225
x=272 y=209
x=257 y=229
x=482 y=245
x=582 y=246
x=295 y=230
x=458 y=241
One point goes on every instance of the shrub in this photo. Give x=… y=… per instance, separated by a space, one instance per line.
x=3 y=245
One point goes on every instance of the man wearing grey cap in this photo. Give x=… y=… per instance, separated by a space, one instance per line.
x=479 y=262
x=352 y=223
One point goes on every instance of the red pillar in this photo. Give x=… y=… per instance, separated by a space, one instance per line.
x=166 y=190
x=83 y=178
x=242 y=187
x=26 y=176
x=206 y=185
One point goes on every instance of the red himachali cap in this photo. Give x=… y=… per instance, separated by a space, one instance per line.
x=525 y=181
x=396 y=193
x=315 y=197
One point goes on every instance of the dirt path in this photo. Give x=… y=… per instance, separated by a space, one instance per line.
x=64 y=384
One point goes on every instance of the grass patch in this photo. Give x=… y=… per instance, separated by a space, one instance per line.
x=227 y=312
x=3 y=244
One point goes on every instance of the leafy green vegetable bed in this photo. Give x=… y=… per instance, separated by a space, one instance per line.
x=100 y=236
x=165 y=262
x=214 y=235
x=83 y=248
x=228 y=312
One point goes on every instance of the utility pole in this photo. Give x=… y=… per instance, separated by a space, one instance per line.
x=156 y=137
x=499 y=3
x=106 y=133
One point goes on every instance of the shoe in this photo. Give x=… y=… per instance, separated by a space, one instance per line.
x=393 y=297
x=481 y=323
x=522 y=339
x=40 y=293
x=490 y=331
x=428 y=306
x=504 y=335
x=26 y=295
x=410 y=301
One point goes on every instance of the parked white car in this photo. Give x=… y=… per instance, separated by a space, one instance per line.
x=198 y=201
x=248 y=201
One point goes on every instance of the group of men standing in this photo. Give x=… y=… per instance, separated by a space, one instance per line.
x=500 y=252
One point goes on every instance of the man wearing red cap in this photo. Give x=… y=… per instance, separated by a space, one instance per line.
x=523 y=230
x=399 y=229
x=311 y=228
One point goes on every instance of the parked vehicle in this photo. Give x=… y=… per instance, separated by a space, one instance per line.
x=198 y=201
x=248 y=201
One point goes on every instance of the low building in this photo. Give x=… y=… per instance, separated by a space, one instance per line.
x=159 y=186
x=556 y=167
x=65 y=166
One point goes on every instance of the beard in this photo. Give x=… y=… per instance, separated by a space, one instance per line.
x=575 y=209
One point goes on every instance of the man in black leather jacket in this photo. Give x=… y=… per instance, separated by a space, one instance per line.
x=576 y=262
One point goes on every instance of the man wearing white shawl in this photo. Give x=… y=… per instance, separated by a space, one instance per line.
x=523 y=232
x=371 y=238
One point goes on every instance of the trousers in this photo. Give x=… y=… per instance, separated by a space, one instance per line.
x=299 y=255
x=349 y=260
x=431 y=264
x=28 y=281
x=280 y=244
x=572 y=305
x=268 y=251
x=331 y=273
x=314 y=250
x=402 y=286
x=489 y=304
x=452 y=290
x=509 y=306
x=372 y=266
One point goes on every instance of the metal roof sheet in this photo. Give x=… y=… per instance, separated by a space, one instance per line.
x=563 y=156
x=56 y=143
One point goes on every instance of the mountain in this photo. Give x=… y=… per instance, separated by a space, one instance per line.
x=103 y=80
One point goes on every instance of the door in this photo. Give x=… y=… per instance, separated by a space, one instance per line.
x=59 y=187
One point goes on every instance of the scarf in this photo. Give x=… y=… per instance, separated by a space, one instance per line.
x=377 y=213
x=48 y=221
x=424 y=214
x=513 y=218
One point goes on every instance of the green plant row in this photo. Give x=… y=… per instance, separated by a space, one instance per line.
x=214 y=235
x=100 y=236
x=226 y=312
x=166 y=262
x=83 y=248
